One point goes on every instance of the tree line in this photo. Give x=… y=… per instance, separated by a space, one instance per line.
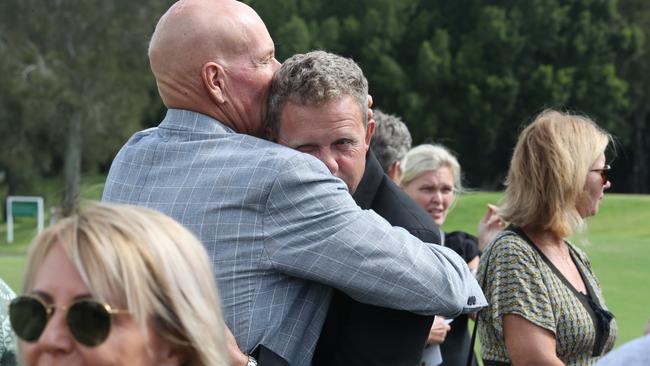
x=466 y=73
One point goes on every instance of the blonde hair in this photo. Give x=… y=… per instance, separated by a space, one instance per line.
x=145 y=262
x=429 y=157
x=548 y=172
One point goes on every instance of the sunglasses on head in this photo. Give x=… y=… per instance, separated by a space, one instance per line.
x=603 y=172
x=89 y=321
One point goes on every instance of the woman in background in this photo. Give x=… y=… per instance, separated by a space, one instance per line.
x=545 y=303
x=432 y=178
x=118 y=284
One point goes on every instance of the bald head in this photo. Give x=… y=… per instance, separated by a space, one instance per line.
x=191 y=34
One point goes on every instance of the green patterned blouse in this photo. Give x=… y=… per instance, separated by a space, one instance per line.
x=7 y=339
x=520 y=280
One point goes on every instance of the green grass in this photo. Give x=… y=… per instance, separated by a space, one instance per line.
x=618 y=247
x=11 y=270
x=12 y=256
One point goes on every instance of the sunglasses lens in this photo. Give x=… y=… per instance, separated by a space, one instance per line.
x=28 y=318
x=89 y=322
x=603 y=175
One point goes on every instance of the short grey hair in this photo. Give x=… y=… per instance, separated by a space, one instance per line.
x=313 y=79
x=392 y=139
x=430 y=157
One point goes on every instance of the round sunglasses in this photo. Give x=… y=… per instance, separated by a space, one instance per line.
x=89 y=321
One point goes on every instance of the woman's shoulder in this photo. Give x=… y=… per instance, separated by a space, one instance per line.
x=6 y=294
x=509 y=243
x=582 y=257
x=509 y=253
x=7 y=340
x=579 y=252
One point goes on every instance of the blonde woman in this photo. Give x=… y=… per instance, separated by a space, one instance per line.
x=118 y=284
x=432 y=178
x=546 y=307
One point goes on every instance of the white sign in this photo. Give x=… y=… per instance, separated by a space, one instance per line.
x=24 y=206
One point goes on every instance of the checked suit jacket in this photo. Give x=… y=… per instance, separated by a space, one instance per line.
x=281 y=232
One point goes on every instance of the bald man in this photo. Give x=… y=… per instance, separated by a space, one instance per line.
x=281 y=230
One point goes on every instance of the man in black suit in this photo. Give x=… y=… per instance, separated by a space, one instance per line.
x=359 y=334
x=329 y=123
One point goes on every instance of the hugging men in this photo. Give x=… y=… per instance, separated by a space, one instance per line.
x=281 y=230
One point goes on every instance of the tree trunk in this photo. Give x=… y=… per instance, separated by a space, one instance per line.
x=72 y=165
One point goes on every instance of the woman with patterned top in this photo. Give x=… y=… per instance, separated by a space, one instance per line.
x=7 y=339
x=546 y=306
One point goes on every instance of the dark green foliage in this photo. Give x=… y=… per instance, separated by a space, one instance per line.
x=67 y=64
x=636 y=70
x=469 y=73
x=466 y=73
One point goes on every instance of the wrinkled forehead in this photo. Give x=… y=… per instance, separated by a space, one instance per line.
x=323 y=99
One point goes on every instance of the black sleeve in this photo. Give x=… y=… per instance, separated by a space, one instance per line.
x=466 y=245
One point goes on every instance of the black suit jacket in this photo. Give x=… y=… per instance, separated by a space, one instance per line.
x=360 y=334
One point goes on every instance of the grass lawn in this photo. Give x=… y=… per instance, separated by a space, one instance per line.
x=12 y=256
x=619 y=248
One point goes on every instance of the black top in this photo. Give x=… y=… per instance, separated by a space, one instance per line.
x=457 y=343
x=361 y=334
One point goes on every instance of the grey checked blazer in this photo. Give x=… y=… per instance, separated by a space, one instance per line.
x=281 y=232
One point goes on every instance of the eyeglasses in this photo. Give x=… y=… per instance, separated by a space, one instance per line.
x=89 y=321
x=603 y=173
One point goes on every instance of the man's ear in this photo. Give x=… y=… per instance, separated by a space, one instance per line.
x=268 y=132
x=395 y=172
x=213 y=77
x=370 y=130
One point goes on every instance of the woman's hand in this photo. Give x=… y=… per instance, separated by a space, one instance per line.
x=438 y=331
x=489 y=226
x=237 y=357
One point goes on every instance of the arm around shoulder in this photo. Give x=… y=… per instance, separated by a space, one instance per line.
x=316 y=231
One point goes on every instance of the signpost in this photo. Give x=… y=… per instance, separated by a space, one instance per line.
x=18 y=206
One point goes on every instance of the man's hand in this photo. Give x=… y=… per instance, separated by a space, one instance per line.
x=438 y=331
x=237 y=357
